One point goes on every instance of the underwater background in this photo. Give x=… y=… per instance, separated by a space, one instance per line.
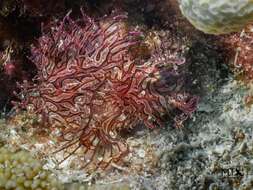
x=126 y=94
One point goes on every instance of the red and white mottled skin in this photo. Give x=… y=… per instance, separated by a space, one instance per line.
x=89 y=87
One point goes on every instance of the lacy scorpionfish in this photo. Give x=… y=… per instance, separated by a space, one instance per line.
x=90 y=86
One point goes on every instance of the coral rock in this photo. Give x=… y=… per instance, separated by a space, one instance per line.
x=19 y=170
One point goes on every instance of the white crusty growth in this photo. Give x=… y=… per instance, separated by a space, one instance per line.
x=218 y=16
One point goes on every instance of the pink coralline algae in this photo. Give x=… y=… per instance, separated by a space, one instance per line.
x=90 y=86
